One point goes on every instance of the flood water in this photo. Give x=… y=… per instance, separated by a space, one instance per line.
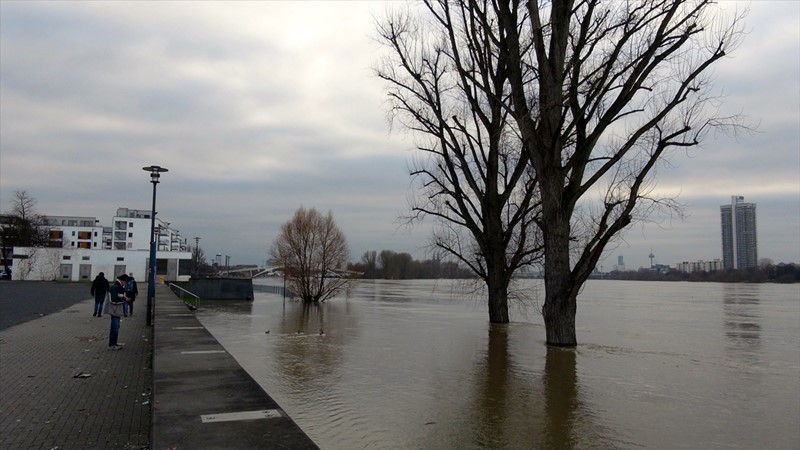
x=416 y=365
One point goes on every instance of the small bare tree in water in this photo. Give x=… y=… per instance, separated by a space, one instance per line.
x=314 y=254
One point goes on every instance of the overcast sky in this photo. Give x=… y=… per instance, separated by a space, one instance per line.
x=257 y=108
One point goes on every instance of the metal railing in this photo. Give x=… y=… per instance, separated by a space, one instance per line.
x=195 y=303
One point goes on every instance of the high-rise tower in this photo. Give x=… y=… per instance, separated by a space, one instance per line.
x=739 y=243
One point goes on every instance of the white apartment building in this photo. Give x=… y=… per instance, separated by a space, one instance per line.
x=699 y=266
x=80 y=248
x=76 y=232
x=131 y=231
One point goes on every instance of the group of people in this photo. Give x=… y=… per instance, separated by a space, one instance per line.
x=115 y=300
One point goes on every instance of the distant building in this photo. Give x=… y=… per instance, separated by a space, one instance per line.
x=739 y=241
x=79 y=248
x=699 y=266
x=620 y=264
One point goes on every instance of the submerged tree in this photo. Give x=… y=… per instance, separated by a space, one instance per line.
x=599 y=93
x=447 y=86
x=314 y=254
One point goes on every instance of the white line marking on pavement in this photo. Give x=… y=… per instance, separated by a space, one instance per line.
x=202 y=352
x=243 y=415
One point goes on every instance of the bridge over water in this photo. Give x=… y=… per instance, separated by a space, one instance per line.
x=273 y=271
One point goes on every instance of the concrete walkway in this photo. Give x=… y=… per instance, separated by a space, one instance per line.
x=60 y=386
x=204 y=399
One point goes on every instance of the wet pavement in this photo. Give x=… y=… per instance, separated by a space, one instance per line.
x=60 y=386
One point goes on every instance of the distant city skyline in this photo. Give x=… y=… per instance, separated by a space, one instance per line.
x=258 y=108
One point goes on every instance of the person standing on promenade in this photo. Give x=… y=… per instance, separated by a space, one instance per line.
x=131 y=291
x=115 y=307
x=99 y=289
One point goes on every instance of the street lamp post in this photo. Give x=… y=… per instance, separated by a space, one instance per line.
x=155 y=173
x=196 y=256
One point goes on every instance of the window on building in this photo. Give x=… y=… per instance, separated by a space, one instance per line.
x=73 y=233
x=130 y=235
x=94 y=245
x=85 y=258
x=84 y=235
x=67 y=257
x=120 y=258
x=130 y=224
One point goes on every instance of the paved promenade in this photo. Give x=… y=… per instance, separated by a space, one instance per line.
x=61 y=388
x=204 y=398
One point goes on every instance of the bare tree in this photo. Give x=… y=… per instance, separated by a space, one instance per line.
x=314 y=254
x=26 y=264
x=25 y=227
x=370 y=261
x=602 y=91
x=599 y=92
x=199 y=265
x=48 y=261
x=449 y=85
x=31 y=227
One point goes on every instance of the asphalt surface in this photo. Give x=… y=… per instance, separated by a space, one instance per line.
x=22 y=301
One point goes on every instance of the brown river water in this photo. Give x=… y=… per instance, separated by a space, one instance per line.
x=416 y=365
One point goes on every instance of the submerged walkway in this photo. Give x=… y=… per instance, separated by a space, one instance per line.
x=60 y=386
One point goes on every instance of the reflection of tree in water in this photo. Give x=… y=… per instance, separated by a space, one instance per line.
x=491 y=399
x=741 y=305
x=307 y=351
x=512 y=408
x=561 y=399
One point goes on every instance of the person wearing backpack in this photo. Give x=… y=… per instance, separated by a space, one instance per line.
x=131 y=291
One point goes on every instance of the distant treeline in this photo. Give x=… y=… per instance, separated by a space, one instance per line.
x=390 y=265
x=771 y=273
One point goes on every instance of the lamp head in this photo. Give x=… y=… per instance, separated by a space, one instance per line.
x=155 y=172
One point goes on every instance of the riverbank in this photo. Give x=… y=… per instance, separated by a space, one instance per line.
x=60 y=386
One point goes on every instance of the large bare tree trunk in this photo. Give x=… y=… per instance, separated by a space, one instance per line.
x=560 y=304
x=497 y=284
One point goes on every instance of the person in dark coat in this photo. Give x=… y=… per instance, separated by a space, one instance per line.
x=114 y=307
x=131 y=291
x=99 y=289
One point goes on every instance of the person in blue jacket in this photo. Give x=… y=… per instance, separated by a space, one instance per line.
x=131 y=291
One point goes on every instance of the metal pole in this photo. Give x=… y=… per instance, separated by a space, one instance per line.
x=155 y=173
x=151 y=287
